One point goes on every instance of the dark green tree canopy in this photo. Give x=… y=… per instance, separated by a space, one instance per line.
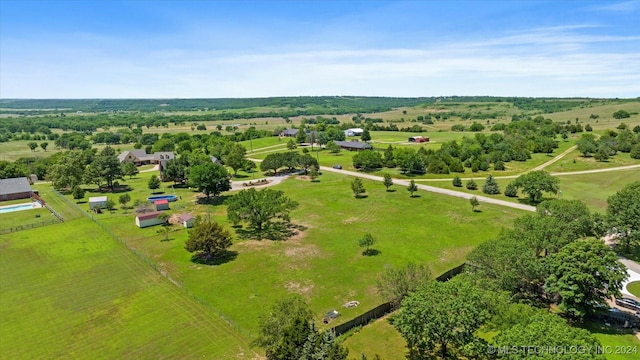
x=208 y=240
x=260 y=208
x=535 y=183
x=210 y=178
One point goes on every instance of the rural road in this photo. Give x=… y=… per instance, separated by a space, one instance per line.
x=434 y=189
x=560 y=156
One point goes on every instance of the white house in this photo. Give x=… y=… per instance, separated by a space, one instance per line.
x=353 y=132
x=97 y=202
x=149 y=219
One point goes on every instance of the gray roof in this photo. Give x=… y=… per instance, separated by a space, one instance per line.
x=140 y=154
x=353 y=144
x=98 y=199
x=164 y=155
x=290 y=132
x=14 y=186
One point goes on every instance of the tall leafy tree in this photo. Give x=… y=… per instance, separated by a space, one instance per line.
x=260 y=208
x=474 y=203
x=44 y=145
x=548 y=331
x=153 y=183
x=123 y=200
x=235 y=158
x=584 y=274
x=176 y=170
x=32 y=145
x=210 y=178
x=208 y=240
x=107 y=161
x=366 y=136
x=367 y=241
x=129 y=169
x=535 y=183
x=623 y=215
x=441 y=318
x=68 y=171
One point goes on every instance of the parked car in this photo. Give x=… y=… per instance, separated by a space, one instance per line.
x=339 y=167
x=628 y=303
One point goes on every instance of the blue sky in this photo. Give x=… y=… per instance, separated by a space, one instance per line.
x=186 y=49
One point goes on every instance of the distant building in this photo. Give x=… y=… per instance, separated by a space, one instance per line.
x=98 y=202
x=353 y=132
x=140 y=157
x=418 y=139
x=289 y=133
x=353 y=145
x=187 y=220
x=15 y=188
x=149 y=219
x=161 y=204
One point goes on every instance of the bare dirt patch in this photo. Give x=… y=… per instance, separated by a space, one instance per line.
x=302 y=252
x=295 y=287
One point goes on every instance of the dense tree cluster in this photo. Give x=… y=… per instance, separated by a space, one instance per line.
x=289 y=160
x=608 y=144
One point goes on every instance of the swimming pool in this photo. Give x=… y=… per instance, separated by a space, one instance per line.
x=162 y=197
x=12 y=208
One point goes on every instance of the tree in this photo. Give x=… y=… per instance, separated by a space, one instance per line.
x=130 y=169
x=441 y=317
x=635 y=151
x=210 y=178
x=588 y=128
x=511 y=190
x=396 y=283
x=123 y=200
x=32 y=145
x=491 y=186
x=412 y=187
x=623 y=215
x=471 y=185
x=154 y=183
x=68 y=171
x=366 y=136
x=457 y=182
x=474 y=202
x=584 y=274
x=587 y=144
x=388 y=181
x=235 y=158
x=357 y=187
x=547 y=331
x=44 y=145
x=301 y=136
x=284 y=329
x=367 y=160
x=499 y=165
x=291 y=145
x=535 y=183
x=602 y=154
x=208 y=240
x=332 y=147
x=78 y=192
x=621 y=114
x=110 y=204
x=313 y=173
x=107 y=161
x=260 y=208
x=366 y=242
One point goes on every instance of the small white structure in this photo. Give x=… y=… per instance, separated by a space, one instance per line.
x=149 y=219
x=353 y=132
x=97 y=202
x=187 y=220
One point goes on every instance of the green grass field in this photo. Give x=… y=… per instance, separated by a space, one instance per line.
x=378 y=337
x=574 y=161
x=634 y=288
x=324 y=263
x=594 y=189
x=18 y=220
x=71 y=291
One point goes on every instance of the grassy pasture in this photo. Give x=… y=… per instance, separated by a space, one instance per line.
x=574 y=161
x=24 y=218
x=69 y=290
x=324 y=263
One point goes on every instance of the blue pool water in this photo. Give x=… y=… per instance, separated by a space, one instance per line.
x=162 y=197
x=15 y=208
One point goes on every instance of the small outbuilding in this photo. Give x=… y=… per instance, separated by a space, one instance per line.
x=149 y=219
x=353 y=145
x=418 y=139
x=98 y=202
x=187 y=220
x=353 y=132
x=15 y=188
x=161 y=204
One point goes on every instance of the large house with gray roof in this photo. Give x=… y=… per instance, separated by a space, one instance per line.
x=140 y=157
x=15 y=188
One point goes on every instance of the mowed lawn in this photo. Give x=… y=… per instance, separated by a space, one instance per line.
x=324 y=263
x=71 y=291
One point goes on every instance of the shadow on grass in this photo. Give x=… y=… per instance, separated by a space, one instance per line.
x=391 y=190
x=477 y=210
x=361 y=196
x=219 y=260
x=81 y=202
x=214 y=200
x=274 y=231
x=415 y=196
x=371 y=252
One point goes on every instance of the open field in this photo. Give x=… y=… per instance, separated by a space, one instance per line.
x=70 y=290
x=378 y=337
x=576 y=162
x=594 y=189
x=14 y=150
x=323 y=263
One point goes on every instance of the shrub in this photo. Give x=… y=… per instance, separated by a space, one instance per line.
x=635 y=151
x=499 y=165
x=457 y=182
x=471 y=185
x=491 y=186
x=511 y=190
